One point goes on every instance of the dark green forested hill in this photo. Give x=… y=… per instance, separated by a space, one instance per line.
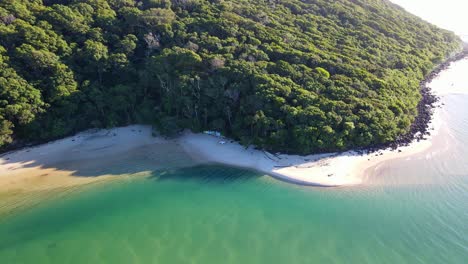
x=291 y=75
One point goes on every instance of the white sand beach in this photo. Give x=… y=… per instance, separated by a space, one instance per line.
x=70 y=161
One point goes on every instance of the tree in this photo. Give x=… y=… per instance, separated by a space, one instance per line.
x=6 y=132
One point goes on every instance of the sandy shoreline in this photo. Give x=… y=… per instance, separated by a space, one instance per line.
x=327 y=170
x=81 y=158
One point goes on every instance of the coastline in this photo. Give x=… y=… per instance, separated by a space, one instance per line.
x=332 y=169
x=419 y=129
x=82 y=159
x=73 y=160
x=323 y=170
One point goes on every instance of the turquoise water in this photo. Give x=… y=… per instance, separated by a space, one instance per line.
x=215 y=214
x=411 y=211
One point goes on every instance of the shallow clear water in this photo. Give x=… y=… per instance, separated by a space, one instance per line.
x=413 y=210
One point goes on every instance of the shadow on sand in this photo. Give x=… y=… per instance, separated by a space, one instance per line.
x=140 y=159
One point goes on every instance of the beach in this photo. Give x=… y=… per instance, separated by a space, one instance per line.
x=85 y=157
x=72 y=161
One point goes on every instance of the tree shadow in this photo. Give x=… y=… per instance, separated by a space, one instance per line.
x=81 y=156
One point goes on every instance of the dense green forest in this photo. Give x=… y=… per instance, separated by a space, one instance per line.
x=297 y=76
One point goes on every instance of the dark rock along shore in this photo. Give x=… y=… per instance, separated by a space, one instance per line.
x=420 y=127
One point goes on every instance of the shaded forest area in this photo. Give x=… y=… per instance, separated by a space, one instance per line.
x=297 y=76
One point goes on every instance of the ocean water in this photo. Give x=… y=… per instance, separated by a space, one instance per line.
x=412 y=210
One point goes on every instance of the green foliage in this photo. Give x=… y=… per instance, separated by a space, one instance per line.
x=322 y=72
x=5 y=132
x=287 y=75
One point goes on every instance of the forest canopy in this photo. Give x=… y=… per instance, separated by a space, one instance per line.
x=298 y=76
